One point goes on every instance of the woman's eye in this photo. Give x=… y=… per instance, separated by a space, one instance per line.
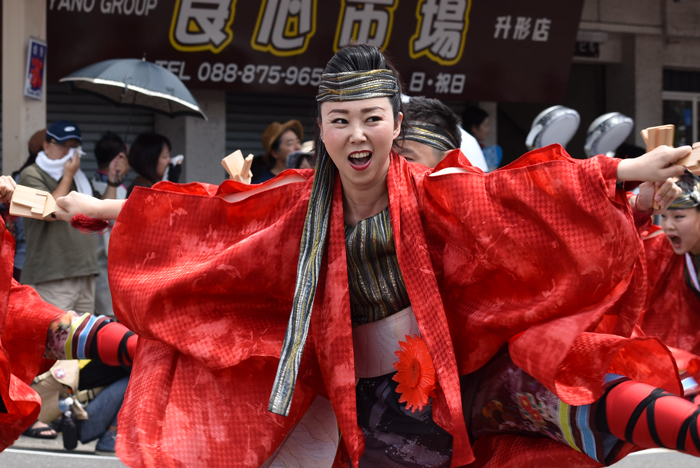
x=339 y=121
x=375 y=118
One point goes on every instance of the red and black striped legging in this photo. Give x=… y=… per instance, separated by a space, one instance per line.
x=650 y=417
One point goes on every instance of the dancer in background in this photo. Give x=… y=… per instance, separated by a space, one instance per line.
x=673 y=263
x=673 y=266
x=432 y=131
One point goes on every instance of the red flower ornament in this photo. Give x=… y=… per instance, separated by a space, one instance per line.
x=416 y=373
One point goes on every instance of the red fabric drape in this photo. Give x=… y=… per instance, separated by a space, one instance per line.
x=24 y=323
x=673 y=309
x=545 y=248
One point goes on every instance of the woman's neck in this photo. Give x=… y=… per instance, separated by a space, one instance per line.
x=363 y=204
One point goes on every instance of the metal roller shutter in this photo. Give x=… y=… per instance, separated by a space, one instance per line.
x=95 y=117
x=248 y=115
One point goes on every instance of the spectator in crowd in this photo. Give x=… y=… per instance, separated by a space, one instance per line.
x=476 y=122
x=61 y=262
x=432 y=131
x=113 y=166
x=278 y=140
x=14 y=224
x=149 y=156
x=102 y=417
x=302 y=159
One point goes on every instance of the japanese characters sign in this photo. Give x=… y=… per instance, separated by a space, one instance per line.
x=508 y=50
x=36 y=59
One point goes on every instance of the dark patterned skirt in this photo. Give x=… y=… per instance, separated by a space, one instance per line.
x=500 y=398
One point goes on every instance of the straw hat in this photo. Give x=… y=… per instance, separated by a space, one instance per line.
x=36 y=142
x=275 y=130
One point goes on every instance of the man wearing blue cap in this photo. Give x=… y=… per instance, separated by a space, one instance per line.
x=61 y=262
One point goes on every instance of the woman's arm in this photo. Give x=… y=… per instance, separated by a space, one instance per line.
x=78 y=203
x=663 y=193
x=655 y=166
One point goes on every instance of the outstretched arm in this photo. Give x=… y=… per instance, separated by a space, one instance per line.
x=78 y=203
x=655 y=166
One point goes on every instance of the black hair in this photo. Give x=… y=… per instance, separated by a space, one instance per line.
x=107 y=148
x=472 y=116
x=434 y=112
x=688 y=183
x=363 y=57
x=308 y=156
x=627 y=151
x=144 y=154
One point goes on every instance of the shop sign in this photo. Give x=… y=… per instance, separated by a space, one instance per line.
x=36 y=61
x=508 y=50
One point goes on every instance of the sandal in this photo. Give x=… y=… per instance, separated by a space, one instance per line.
x=44 y=432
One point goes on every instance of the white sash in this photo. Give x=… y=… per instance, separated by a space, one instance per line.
x=376 y=343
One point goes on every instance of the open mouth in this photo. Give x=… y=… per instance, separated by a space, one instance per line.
x=360 y=160
x=675 y=241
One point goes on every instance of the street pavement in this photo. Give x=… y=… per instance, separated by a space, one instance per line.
x=658 y=458
x=46 y=453
x=39 y=453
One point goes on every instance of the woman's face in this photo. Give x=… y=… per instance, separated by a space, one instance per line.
x=481 y=132
x=163 y=162
x=305 y=164
x=289 y=142
x=682 y=228
x=358 y=136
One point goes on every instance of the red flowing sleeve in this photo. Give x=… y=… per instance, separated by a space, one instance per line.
x=24 y=323
x=186 y=264
x=207 y=284
x=543 y=254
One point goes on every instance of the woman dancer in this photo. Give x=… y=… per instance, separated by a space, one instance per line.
x=673 y=261
x=542 y=257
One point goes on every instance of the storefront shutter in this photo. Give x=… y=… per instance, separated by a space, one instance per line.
x=248 y=115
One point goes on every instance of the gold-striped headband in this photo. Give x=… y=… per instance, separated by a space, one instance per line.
x=687 y=200
x=430 y=135
x=352 y=86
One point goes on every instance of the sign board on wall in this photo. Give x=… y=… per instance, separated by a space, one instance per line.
x=507 y=50
x=36 y=61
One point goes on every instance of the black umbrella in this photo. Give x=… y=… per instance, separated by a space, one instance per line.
x=136 y=83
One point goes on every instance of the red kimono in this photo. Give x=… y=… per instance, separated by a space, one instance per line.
x=673 y=307
x=24 y=323
x=543 y=253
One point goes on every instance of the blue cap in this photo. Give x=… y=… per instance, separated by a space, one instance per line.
x=63 y=131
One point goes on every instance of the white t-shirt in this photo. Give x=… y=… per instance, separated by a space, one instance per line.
x=471 y=149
